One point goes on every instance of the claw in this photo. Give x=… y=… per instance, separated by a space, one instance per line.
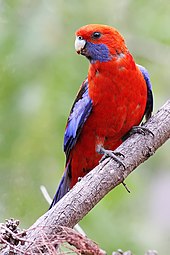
x=79 y=179
x=137 y=130
x=141 y=130
x=108 y=153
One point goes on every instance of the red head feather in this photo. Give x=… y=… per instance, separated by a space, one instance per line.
x=103 y=34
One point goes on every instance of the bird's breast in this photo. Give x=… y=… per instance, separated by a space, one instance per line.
x=119 y=97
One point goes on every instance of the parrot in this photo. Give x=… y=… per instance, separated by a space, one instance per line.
x=114 y=98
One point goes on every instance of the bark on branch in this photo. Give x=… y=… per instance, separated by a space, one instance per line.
x=104 y=177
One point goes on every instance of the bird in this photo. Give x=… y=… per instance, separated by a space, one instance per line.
x=115 y=97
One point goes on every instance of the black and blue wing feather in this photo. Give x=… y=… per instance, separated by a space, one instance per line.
x=79 y=113
x=78 y=116
x=149 y=103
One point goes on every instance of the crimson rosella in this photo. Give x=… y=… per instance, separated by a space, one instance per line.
x=115 y=96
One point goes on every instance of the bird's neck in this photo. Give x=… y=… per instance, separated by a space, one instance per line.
x=102 y=76
x=119 y=61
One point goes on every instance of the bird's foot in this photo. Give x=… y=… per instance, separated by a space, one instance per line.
x=109 y=153
x=141 y=130
x=138 y=130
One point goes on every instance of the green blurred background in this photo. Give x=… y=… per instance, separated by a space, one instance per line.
x=40 y=74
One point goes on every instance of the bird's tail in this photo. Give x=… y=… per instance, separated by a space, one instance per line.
x=63 y=187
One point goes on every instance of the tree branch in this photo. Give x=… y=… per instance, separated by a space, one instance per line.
x=103 y=178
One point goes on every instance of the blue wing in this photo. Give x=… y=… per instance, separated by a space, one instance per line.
x=78 y=116
x=149 y=104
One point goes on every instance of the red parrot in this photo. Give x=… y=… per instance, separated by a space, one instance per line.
x=114 y=97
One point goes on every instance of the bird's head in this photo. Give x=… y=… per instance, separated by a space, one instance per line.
x=99 y=42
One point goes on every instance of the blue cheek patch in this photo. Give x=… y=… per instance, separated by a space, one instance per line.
x=98 y=52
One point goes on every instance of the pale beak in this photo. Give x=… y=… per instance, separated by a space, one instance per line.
x=79 y=44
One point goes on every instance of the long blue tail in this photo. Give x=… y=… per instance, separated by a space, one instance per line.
x=63 y=187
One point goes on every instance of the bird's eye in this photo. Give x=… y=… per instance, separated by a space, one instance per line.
x=80 y=37
x=96 y=35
